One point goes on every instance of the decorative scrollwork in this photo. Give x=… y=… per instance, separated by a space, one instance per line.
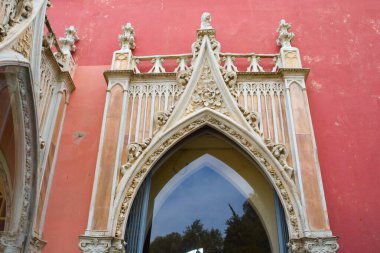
x=280 y=152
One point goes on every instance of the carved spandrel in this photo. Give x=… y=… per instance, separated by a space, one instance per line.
x=206 y=93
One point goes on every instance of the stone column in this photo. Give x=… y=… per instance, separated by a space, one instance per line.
x=317 y=234
x=99 y=229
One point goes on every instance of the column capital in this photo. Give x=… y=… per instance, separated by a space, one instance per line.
x=101 y=244
x=314 y=245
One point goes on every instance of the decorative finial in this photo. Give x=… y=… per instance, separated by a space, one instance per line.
x=68 y=42
x=206 y=21
x=127 y=39
x=284 y=36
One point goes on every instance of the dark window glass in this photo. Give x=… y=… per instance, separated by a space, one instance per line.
x=205 y=210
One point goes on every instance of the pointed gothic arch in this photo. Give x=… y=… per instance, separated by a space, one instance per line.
x=207 y=95
x=163 y=143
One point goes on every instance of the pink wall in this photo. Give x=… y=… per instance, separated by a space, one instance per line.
x=338 y=41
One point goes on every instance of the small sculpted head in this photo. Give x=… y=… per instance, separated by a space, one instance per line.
x=206 y=21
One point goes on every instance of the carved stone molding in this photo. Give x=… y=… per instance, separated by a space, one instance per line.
x=31 y=145
x=314 y=245
x=287 y=197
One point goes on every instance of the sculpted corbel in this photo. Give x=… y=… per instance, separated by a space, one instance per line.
x=280 y=152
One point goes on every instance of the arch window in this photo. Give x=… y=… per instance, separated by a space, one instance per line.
x=206 y=197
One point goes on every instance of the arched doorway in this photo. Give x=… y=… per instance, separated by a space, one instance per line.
x=206 y=196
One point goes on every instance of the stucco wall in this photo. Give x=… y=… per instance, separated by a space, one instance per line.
x=338 y=41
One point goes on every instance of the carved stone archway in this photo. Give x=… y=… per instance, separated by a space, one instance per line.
x=23 y=203
x=255 y=148
x=274 y=130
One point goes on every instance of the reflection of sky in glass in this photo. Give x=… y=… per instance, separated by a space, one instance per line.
x=203 y=195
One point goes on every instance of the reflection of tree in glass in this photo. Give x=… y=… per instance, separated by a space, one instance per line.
x=170 y=243
x=195 y=236
x=243 y=234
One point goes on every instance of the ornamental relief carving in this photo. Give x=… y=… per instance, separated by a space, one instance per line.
x=12 y=12
x=27 y=105
x=234 y=134
x=206 y=93
x=24 y=43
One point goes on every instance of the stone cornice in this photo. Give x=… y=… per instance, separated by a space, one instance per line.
x=280 y=74
x=122 y=74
